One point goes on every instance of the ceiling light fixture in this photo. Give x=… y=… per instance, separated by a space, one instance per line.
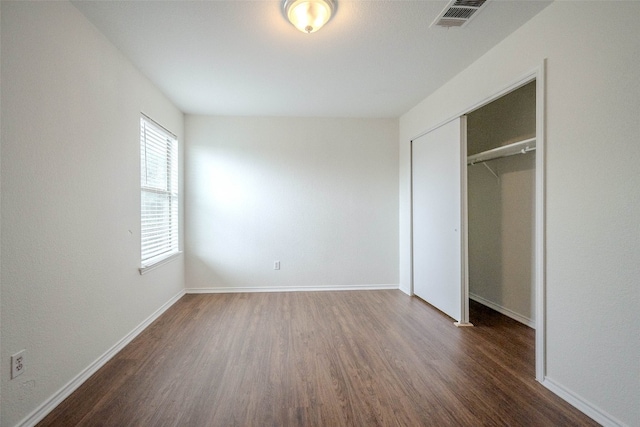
x=308 y=15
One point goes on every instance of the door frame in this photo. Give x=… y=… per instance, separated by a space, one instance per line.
x=538 y=75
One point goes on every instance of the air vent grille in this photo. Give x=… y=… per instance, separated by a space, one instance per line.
x=469 y=3
x=458 y=13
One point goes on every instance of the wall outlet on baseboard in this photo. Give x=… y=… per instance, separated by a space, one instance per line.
x=17 y=364
x=276 y=265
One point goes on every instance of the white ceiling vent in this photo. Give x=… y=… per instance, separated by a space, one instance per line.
x=458 y=13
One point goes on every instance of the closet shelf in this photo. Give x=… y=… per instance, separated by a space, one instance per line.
x=520 y=147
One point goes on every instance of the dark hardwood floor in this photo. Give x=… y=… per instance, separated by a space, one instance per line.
x=362 y=358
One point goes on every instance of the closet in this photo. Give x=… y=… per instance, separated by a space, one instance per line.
x=501 y=177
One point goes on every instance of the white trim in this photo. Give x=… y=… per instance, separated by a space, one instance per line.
x=503 y=310
x=159 y=125
x=464 y=227
x=583 y=405
x=516 y=84
x=410 y=291
x=250 y=289
x=540 y=231
x=167 y=259
x=52 y=402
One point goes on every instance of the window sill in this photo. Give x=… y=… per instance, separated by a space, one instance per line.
x=159 y=263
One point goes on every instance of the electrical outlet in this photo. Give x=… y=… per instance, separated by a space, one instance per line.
x=17 y=364
x=276 y=265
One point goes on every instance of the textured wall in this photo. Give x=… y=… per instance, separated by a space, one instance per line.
x=70 y=200
x=508 y=119
x=501 y=230
x=501 y=210
x=319 y=195
x=592 y=198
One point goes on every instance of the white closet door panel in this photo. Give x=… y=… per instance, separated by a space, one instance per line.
x=437 y=217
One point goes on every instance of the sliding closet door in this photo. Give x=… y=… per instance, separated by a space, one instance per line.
x=438 y=234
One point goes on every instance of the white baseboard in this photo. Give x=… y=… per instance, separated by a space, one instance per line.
x=581 y=404
x=406 y=290
x=57 y=398
x=244 y=289
x=502 y=310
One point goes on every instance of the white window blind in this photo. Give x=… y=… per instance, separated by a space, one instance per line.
x=159 y=193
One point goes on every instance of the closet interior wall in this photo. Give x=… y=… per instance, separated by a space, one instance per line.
x=501 y=207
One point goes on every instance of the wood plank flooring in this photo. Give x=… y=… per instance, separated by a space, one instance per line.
x=364 y=358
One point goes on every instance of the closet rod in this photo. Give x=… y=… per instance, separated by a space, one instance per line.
x=520 y=147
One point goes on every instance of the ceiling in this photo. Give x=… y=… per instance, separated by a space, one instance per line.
x=375 y=58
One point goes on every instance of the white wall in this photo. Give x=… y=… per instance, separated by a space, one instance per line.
x=320 y=195
x=501 y=230
x=0 y=206
x=592 y=198
x=501 y=210
x=70 y=229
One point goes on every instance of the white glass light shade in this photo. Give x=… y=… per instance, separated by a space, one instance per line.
x=308 y=15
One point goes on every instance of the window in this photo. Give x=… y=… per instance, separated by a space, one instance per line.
x=159 y=194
